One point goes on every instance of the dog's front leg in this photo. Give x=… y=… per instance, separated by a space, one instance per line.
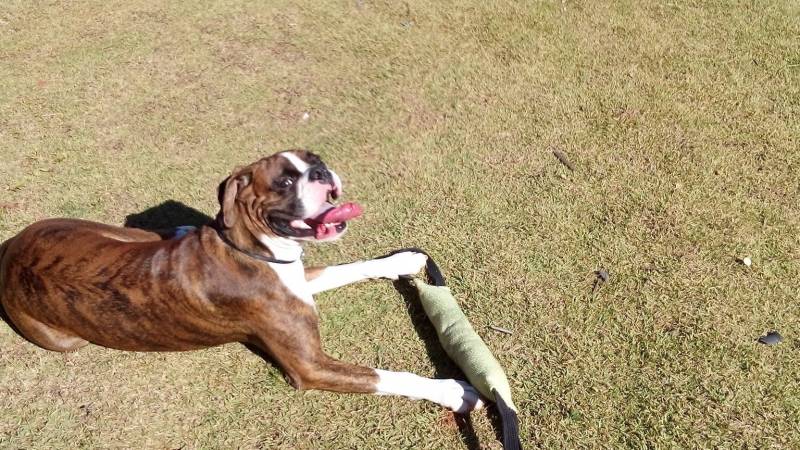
x=393 y=266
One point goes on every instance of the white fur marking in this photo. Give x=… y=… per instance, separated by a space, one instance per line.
x=456 y=395
x=392 y=267
x=298 y=163
x=337 y=276
x=405 y=384
x=282 y=248
x=293 y=276
x=301 y=167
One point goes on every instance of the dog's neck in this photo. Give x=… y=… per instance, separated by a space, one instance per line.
x=263 y=244
x=282 y=248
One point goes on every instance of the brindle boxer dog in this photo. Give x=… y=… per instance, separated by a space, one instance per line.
x=65 y=283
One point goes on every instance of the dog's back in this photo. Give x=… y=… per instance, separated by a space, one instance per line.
x=75 y=281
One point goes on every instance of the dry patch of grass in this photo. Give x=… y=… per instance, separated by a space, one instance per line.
x=681 y=121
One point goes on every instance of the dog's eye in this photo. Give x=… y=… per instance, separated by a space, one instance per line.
x=284 y=182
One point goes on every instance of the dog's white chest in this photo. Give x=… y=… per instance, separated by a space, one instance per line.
x=293 y=276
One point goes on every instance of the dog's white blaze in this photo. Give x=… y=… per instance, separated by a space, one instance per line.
x=301 y=167
x=298 y=163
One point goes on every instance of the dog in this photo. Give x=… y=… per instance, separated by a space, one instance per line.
x=65 y=283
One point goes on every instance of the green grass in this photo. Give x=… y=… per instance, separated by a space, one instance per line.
x=682 y=120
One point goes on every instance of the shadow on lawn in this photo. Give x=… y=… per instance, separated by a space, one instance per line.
x=165 y=217
x=444 y=366
x=4 y=317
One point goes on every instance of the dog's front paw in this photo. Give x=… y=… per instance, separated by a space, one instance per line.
x=459 y=396
x=398 y=264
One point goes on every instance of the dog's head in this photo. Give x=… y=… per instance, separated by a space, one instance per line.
x=287 y=195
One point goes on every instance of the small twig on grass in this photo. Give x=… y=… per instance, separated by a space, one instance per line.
x=562 y=157
x=502 y=330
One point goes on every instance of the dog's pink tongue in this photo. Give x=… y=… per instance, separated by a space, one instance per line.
x=341 y=213
x=324 y=223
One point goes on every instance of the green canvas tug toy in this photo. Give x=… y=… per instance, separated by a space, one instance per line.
x=467 y=349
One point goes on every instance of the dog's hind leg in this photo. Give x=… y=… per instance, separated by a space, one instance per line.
x=329 y=374
x=296 y=347
x=43 y=335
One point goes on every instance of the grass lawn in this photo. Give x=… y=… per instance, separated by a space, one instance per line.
x=682 y=122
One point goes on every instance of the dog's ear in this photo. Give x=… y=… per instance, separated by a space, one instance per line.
x=226 y=194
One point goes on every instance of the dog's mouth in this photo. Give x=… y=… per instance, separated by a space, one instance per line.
x=329 y=222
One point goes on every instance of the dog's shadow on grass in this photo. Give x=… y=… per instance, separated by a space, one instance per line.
x=4 y=317
x=444 y=367
x=165 y=217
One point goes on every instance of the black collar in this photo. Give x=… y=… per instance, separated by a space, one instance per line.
x=251 y=254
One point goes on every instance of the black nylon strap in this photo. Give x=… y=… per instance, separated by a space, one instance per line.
x=434 y=274
x=251 y=254
x=510 y=424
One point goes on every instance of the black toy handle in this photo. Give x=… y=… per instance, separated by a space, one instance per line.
x=510 y=424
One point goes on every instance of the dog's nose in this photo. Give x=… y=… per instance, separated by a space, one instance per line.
x=320 y=173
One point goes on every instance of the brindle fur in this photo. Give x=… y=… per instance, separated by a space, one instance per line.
x=65 y=283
